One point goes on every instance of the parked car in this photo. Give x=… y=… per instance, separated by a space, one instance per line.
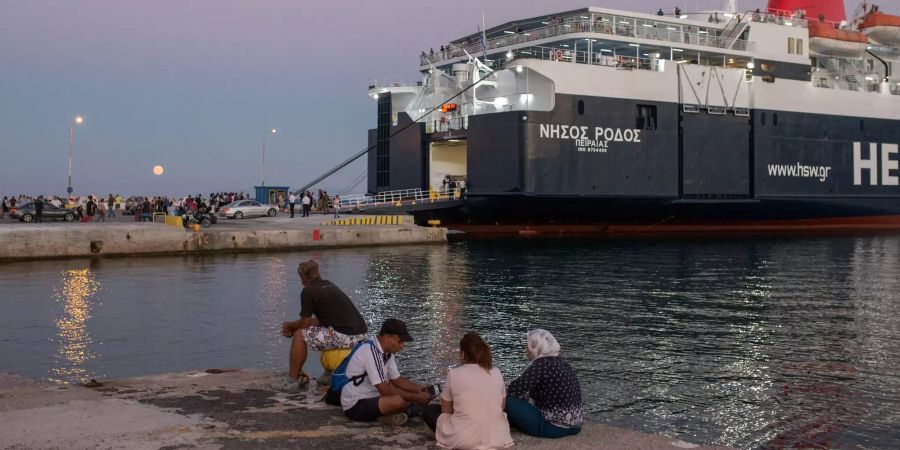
x=247 y=208
x=25 y=213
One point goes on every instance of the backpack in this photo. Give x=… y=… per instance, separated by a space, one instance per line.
x=339 y=377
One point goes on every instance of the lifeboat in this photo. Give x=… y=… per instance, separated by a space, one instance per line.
x=827 y=40
x=882 y=28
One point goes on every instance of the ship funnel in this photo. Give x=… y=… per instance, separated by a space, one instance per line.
x=829 y=10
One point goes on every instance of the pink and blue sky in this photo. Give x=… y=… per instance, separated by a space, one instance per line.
x=193 y=85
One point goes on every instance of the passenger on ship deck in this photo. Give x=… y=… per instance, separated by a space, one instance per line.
x=337 y=324
x=555 y=408
x=471 y=411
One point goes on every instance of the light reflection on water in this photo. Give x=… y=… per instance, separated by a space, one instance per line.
x=759 y=342
x=74 y=295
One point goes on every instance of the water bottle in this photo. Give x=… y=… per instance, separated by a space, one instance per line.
x=311 y=390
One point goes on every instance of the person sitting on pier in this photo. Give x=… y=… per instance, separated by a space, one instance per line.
x=551 y=384
x=337 y=324
x=471 y=411
x=382 y=394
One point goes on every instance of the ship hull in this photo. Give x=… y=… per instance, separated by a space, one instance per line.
x=593 y=165
x=536 y=214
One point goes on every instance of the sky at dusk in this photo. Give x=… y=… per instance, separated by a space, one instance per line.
x=193 y=85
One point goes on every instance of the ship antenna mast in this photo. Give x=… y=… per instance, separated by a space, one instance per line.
x=731 y=6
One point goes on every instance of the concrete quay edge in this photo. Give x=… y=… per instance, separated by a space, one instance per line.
x=98 y=240
x=228 y=409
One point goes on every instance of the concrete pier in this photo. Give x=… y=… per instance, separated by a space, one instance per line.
x=62 y=240
x=227 y=409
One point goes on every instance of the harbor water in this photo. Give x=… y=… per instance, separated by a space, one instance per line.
x=748 y=342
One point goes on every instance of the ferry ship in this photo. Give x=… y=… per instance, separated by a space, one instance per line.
x=600 y=120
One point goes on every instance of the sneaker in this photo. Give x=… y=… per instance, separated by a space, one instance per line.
x=393 y=419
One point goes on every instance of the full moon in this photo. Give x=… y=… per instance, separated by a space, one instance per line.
x=158 y=170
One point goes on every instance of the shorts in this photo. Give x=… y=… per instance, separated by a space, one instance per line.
x=365 y=410
x=326 y=338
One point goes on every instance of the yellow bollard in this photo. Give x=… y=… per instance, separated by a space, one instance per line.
x=434 y=222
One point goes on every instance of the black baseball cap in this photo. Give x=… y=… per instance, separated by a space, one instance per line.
x=398 y=327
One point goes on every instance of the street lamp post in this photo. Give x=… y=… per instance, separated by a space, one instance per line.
x=77 y=121
x=262 y=171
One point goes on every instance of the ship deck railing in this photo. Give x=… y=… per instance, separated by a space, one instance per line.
x=779 y=17
x=389 y=82
x=614 y=26
x=447 y=124
x=585 y=57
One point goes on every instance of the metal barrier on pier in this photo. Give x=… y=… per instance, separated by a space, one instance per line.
x=398 y=197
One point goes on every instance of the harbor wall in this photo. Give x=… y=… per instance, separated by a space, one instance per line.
x=51 y=241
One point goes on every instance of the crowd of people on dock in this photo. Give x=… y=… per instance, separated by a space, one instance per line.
x=476 y=407
x=94 y=208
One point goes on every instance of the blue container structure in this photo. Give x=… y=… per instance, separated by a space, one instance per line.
x=268 y=195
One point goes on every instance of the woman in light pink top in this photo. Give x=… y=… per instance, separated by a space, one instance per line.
x=473 y=400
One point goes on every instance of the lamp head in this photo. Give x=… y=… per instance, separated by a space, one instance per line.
x=79 y=120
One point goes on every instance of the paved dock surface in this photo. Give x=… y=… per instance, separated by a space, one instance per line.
x=231 y=409
x=226 y=409
x=59 y=239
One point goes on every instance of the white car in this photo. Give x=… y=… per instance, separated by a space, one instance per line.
x=247 y=208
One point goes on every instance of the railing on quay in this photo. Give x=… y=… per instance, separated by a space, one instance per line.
x=363 y=201
x=617 y=27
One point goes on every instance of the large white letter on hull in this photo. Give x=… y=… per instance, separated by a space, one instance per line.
x=870 y=164
x=887 y=165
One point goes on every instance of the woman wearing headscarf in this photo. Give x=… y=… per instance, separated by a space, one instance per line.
x=472 y=402
x=545 y=401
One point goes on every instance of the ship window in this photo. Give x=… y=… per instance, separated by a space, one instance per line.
x=646 y=117
x=862 y=125
x=581 y=107
x=767 y=67
x=799 y=46
x=791 y=46
x=775 y=120
x=762 y=118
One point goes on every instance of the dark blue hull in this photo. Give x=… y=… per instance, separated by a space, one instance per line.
x=617 y=164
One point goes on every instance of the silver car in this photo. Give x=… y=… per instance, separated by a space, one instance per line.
x=247 y=208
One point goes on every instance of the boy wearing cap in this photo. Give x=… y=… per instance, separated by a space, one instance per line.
x=383 y=394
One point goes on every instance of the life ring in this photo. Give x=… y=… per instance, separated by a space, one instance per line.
x=558 y=55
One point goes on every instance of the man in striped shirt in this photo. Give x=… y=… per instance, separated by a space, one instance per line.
x=382 y=394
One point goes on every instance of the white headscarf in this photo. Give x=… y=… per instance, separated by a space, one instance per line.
x=541 y=343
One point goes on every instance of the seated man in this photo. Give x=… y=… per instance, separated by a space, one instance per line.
x=382 y=394
x=337 y=324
